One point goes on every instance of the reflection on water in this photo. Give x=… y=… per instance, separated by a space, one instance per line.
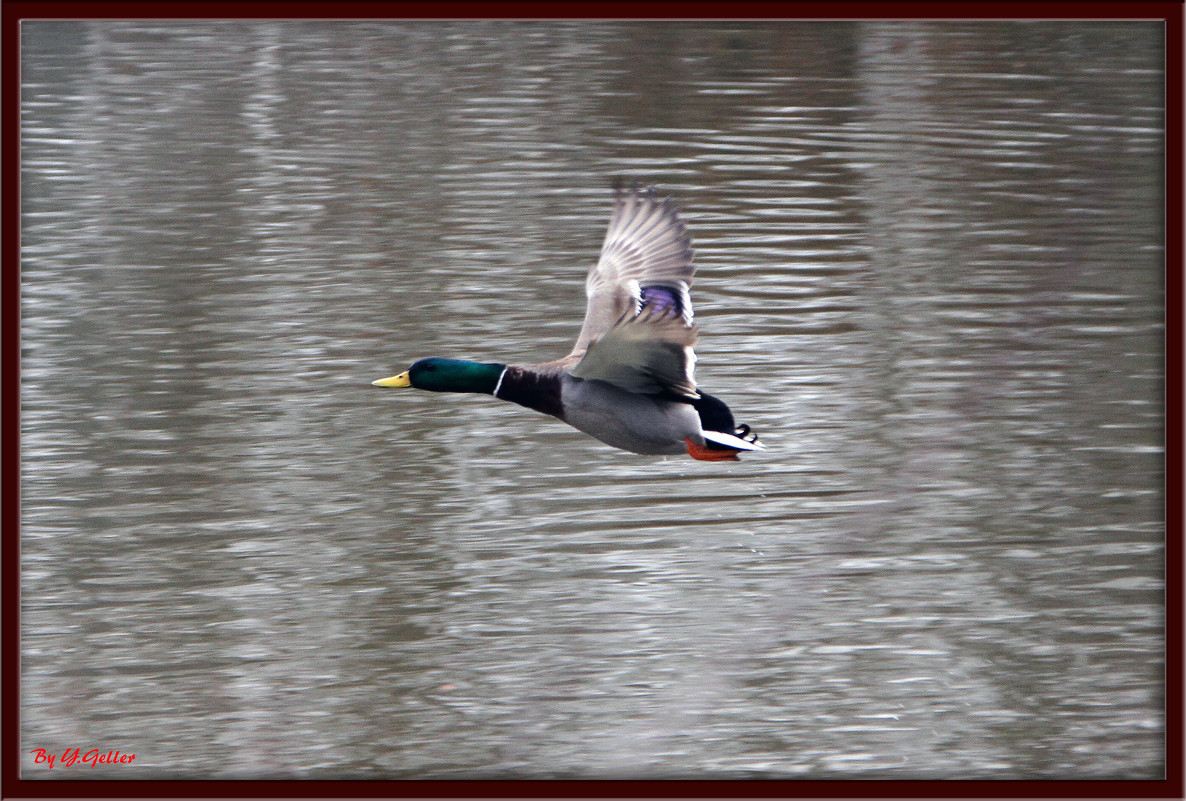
x=930 y=274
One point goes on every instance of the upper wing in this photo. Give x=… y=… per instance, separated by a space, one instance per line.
x=649 y=353
x=646 y=260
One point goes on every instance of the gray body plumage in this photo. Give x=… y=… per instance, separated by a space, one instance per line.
x=629 y=420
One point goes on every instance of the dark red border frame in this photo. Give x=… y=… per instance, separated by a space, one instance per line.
x=12 y=786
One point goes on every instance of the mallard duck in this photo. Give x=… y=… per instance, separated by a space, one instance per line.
x=628 y=380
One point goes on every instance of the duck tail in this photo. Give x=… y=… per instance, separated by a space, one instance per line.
x=743 y=439
x=720 y=432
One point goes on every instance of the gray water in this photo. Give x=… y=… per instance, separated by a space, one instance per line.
x=930 y=275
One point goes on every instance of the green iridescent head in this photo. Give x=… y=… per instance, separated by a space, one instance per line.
x=447 y=375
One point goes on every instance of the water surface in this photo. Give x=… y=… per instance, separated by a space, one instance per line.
x=930 y=275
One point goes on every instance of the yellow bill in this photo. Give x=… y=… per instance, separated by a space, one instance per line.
x=400 y=380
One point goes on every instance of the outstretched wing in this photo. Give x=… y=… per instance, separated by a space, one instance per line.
x=638 y=332
x=646 y=260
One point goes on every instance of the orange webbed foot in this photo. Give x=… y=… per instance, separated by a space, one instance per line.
x=706 y=454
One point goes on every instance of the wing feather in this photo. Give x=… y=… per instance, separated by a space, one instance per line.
x=648 y=353
x=646 y=245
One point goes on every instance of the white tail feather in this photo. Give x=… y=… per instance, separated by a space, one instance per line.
x=730 y=441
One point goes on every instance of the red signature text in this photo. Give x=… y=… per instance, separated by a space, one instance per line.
x=74 y=756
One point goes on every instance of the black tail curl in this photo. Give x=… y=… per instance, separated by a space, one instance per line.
x=715 y=415
x=746 y=433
